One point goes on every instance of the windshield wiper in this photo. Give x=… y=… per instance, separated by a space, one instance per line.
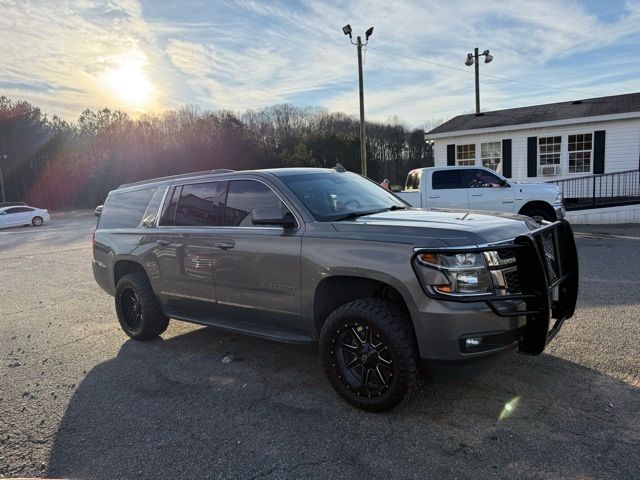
x=354 y=215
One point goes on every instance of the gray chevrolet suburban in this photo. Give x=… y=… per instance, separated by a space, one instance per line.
x=327 y=256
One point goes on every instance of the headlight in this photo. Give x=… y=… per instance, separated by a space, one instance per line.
x=456 y=274
x=559 y=198
x=476 y=273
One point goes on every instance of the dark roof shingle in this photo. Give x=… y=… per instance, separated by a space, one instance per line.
x=589 y=107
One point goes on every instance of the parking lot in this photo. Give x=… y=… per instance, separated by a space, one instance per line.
x=78 y=399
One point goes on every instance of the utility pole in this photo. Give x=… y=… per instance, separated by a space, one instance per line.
x=3 y=157
x=474 y=58
x=363 y=139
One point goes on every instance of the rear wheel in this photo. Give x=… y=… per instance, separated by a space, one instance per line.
x=138 y=310
x=37 y=221
x=368 y=354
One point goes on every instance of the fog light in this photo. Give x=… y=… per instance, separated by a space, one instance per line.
x=473 y=342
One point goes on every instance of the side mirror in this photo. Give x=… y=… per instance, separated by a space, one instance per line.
x=504 y=183
x=272 y=216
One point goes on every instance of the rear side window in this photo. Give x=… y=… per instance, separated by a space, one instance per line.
x=151 y=213
x=125 y=210
x=246 y=195
x=446 y=179
x=201 y=205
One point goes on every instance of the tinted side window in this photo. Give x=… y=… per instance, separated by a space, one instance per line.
x=125 y=210
x=246 y=195
x=481 y=179
x=446 y=179
x=9 y=211
x=201 y=204
x=170 y=206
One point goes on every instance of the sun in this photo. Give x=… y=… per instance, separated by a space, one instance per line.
x=128 y=82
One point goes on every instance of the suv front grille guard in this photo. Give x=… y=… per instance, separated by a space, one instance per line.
x=545 y=277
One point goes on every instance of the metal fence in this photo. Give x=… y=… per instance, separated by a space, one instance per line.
x=604 y=190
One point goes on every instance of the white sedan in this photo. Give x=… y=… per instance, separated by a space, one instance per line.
x=22 y=215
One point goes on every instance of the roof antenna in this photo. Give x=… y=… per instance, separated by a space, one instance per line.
x=339 y=168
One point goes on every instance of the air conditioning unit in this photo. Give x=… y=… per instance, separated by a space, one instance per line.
x=547 y=170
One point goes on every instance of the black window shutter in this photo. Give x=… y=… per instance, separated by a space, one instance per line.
x=532 y=156
x=598 y=151
x=506 y=158
x=451 y=155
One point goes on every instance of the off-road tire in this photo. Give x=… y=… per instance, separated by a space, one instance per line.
x=145 y=320
x=394 y=329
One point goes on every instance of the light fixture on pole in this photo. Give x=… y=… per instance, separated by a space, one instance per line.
x=358 y=43
x=474 y=58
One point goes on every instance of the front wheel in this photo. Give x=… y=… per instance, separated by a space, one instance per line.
x=539 y=214
x=368 y=354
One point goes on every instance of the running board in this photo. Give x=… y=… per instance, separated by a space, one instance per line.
x=252 y=329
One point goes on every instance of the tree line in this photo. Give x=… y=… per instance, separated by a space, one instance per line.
x=54 y=164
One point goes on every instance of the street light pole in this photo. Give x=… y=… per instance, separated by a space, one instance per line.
x=363 y=140
x=475 y=55
x=474 y=58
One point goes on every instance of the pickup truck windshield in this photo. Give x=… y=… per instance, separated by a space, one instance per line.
x=332 y=196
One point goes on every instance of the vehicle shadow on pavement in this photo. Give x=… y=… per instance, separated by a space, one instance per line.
x=178 y=408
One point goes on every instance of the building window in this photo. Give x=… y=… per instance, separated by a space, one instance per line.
x=549 y=155
x=490 y=153
x=580 y=148
x=466 y=154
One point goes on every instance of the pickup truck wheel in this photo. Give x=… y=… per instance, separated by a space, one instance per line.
x=538 y=214
x=368 y=355
x=138 y=310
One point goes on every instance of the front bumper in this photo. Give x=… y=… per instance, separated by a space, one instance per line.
x=547 y=266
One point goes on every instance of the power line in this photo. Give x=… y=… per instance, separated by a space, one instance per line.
x=482 y=74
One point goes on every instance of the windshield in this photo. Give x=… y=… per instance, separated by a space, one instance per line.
x=331 y=196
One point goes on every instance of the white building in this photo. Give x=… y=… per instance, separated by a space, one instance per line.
x=546 y=142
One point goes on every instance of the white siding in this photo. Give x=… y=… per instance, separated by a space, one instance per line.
x=622 y=146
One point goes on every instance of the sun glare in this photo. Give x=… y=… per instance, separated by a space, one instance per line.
x=128 y=83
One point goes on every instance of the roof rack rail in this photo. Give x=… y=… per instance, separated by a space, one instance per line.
x=175 y=177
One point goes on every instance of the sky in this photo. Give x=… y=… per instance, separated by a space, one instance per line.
x=151 y=56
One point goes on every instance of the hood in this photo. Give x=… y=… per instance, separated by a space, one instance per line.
x=538 y=186
x=451 y=227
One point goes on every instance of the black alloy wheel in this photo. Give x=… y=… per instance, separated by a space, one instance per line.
x=131 y=309
x=363 y=360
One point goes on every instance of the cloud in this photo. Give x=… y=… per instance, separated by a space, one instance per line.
x=247 y=54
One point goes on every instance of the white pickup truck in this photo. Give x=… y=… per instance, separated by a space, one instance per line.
x=479 y=188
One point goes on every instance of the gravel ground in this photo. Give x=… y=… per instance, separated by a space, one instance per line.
x=78 y=399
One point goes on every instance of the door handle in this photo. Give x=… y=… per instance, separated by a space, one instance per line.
x=434 y=196
x=164 y=243
x=476 y=194
x=224 y=245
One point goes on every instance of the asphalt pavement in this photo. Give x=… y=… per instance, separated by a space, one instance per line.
x=78 y=399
